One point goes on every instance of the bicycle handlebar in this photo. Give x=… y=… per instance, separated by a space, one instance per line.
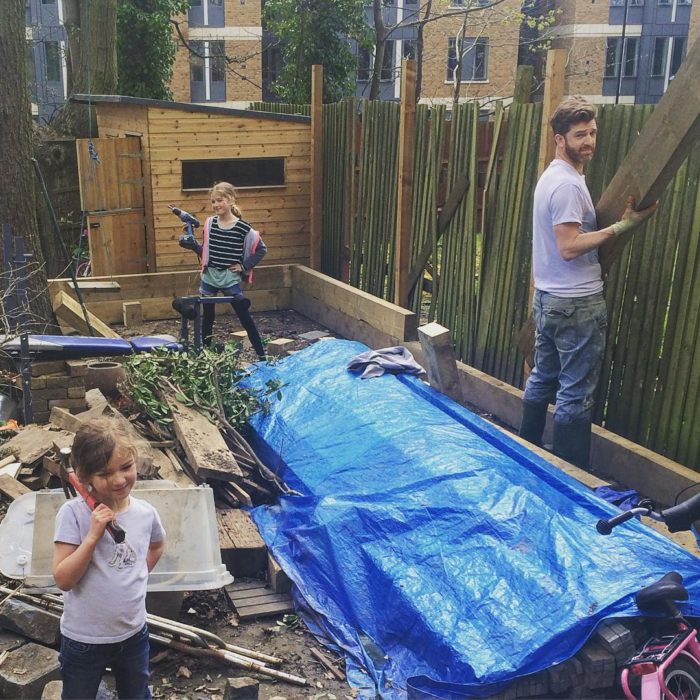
x=676 y=518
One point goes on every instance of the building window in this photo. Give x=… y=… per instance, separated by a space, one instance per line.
x=207 y=71
x=618 y=55
x=387 y=72
x=52 y=61
x=206 y=13
x=630 y=3
x=364 y=64
x=668 y=56
x=409 y=49
x=475 y=58
x=242 y=172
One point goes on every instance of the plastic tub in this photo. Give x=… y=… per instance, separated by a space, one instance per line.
x=191 y=560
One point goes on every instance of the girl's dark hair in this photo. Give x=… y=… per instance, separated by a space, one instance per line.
x=95 y=443
x=573 y=110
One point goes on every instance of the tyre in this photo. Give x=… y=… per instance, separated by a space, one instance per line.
x=683 y=679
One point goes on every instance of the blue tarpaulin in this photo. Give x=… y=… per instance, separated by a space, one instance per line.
x=443 y=558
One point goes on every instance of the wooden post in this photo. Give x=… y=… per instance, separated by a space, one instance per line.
x=404 y=203
x=316 y=165
x=553 y=95
x=440 y=360
x=523 y=84
x=656 y=154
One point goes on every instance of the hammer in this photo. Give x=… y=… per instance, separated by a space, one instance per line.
x=114 y=528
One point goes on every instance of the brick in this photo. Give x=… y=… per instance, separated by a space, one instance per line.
x=132 y=313
x=49 y=394
x=57 y=381
x=53 y=691
x=242 y=688
x=26 y=671
x=41 y=417
x=278 y=580
x=279 y=347
x=242 y=338
x=75 y=405
x=76 y=392
x=49 y=367
x=77 y=368
x=30 y=621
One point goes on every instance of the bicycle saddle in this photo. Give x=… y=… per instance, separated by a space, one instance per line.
x=668 y=587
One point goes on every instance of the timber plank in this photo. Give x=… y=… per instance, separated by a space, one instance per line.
x=11 y=488
x=255 y=600
x=242 y=548
x=70 y=312
x=32 y=442
x=203 y=444
x=391 y=319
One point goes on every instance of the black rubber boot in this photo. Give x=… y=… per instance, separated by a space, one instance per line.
x=572 y=442
x=532 y=424
x=241 y=306
x=208 y=315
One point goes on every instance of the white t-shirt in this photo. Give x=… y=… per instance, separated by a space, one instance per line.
x=562 y=197
x=108 y=604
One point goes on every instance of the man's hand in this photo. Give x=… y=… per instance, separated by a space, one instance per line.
x=631 y=218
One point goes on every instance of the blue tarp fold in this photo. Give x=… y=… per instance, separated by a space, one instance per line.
x=443 y=558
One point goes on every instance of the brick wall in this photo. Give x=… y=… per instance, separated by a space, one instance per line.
x=244 y=78
x=585 y=67
x=502 y=33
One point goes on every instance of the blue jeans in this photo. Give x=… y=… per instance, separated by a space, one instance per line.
x=208 y=290
x=569 y=347
x=82 y=666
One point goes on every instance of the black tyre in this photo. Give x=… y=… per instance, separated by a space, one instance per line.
x=683 y=679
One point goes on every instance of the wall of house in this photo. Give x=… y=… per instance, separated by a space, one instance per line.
x=242 y=36
x=502 y=30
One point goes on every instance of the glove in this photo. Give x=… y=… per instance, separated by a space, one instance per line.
x=631 y=218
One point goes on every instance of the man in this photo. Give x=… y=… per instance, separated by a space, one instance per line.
x=569 y=308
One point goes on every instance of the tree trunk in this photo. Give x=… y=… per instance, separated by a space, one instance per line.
x=420 y=46
x=17 y=191
x=380 y=45
x=91 y=27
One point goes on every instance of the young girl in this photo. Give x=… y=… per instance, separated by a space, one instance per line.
x=104 y=583
x=230 y=250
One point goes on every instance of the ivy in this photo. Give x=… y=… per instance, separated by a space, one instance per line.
x=146 y=47
x=208 y=381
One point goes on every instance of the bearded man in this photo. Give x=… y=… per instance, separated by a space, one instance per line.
x=568 y=307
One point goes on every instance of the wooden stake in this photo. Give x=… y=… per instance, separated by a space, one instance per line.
x=404 y=204
x=316 y=165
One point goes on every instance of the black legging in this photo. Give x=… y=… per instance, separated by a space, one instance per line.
x=241 y=306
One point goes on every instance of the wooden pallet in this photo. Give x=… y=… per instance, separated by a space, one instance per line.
x=253 y=599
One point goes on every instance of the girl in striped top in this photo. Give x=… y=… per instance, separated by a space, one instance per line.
x=230 y=250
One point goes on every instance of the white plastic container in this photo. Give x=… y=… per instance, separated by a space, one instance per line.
x=191 y=560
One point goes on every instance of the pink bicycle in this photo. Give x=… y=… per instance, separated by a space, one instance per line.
x=668 y=666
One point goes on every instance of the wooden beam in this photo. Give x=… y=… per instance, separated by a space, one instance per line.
x=656 y=154
x=404 y=202
x=206 y=451
x=440 y=360
x=71 y=314
x=316 y=165
x=523 y=84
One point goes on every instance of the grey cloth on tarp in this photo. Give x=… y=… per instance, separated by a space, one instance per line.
x=374 y=363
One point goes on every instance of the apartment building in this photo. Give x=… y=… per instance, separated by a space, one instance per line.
x=46 y=57
x=219 y=57
x=489 y=48
x=624 y=51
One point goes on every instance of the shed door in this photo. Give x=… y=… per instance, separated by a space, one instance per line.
x=111 y=192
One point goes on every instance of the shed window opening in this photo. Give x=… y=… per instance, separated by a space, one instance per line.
x=240 y=172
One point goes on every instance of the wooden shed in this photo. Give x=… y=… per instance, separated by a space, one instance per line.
x=152 y=153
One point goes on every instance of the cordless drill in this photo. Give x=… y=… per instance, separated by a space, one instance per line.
x=187 y=240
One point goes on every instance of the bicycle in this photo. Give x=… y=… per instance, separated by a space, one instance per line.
x=668 y=666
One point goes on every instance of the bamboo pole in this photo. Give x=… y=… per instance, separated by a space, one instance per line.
x=404 y=194
x=316 y=165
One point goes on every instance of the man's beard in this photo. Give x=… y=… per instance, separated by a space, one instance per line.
x=575 y=156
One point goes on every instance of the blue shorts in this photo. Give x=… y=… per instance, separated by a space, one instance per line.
x=208 y=290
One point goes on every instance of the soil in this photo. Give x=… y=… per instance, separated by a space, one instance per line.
x=284 y=637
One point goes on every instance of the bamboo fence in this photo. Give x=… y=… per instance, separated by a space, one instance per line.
x=479 y=268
